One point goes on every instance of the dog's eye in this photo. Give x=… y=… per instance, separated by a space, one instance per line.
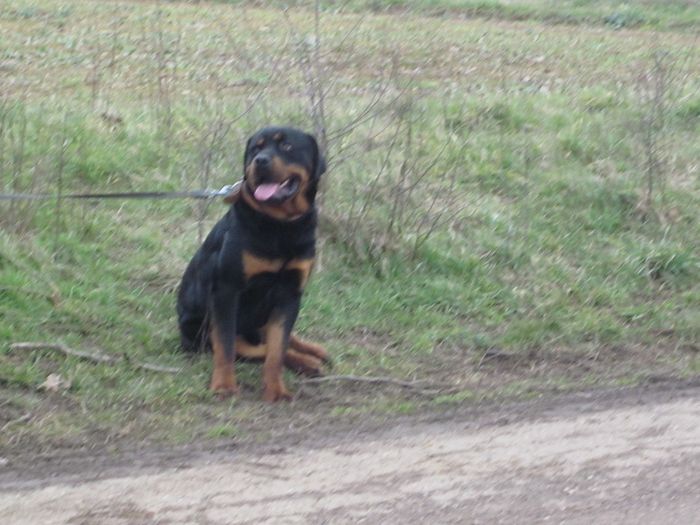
x=286 y=146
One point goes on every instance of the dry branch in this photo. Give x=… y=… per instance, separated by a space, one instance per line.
x=59 y=347
x=158 y=368
x=22 y=419
x=93 y=357
x=420 y=386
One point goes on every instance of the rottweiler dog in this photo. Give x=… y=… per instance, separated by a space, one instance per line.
x=241 y=292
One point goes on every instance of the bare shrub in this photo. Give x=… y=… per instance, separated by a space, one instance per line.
x=409 y=198
x=399 y=207
x=658 y=89
x=13 y=158
x=211 y=148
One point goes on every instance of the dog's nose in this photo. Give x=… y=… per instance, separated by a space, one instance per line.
x=262 y=161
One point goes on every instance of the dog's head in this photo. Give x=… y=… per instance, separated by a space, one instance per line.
x=282 y=168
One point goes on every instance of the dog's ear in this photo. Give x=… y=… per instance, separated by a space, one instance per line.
x=319 y=159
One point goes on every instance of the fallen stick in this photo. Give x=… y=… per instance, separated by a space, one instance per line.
x=158 y=368
x=21 y=419
x=95 y=358
x=426 y=389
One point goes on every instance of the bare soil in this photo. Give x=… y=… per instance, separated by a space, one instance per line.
x=614 y=456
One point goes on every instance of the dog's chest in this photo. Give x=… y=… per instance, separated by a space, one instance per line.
x=256 y=266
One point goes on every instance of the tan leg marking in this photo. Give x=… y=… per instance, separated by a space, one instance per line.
x=245 y=349
x=303 y=363
x=273 y=384
x=223 y=377
x=308 y=348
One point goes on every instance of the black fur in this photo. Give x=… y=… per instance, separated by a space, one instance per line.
x=217 y=267
x=214 y=288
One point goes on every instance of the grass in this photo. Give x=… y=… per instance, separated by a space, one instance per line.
x=542 y=272
x=615 y=14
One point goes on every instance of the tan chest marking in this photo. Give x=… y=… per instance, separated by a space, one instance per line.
x=254 y=265
x=304 y=267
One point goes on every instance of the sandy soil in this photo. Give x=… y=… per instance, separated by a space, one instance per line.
x=628 y=457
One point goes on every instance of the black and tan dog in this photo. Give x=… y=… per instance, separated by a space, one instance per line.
x=241 y=293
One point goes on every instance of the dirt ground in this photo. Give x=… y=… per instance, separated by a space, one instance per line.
x=617 y=456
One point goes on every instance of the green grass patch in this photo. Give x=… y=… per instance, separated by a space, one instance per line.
x=483 y=226
x=613 y=14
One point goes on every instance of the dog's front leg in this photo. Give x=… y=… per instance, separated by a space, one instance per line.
x=277 y=332
x=224 y=309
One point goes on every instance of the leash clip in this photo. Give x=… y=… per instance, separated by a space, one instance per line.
x=225 y=190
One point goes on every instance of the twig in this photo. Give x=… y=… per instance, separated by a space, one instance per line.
x=427 y=389
x=21 y=419
x=494 y=354
x=158 y=368
x=96 y=358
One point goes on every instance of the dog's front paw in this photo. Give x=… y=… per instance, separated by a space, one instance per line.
x=223 y=387
x=225 y=393
x=276 y=392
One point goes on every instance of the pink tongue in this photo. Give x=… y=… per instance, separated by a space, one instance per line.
x=265 y=191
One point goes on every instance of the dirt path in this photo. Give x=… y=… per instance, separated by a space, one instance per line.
x=635 y=459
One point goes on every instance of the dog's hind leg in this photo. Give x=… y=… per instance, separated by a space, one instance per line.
x=311 y=349
x=301 y=363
